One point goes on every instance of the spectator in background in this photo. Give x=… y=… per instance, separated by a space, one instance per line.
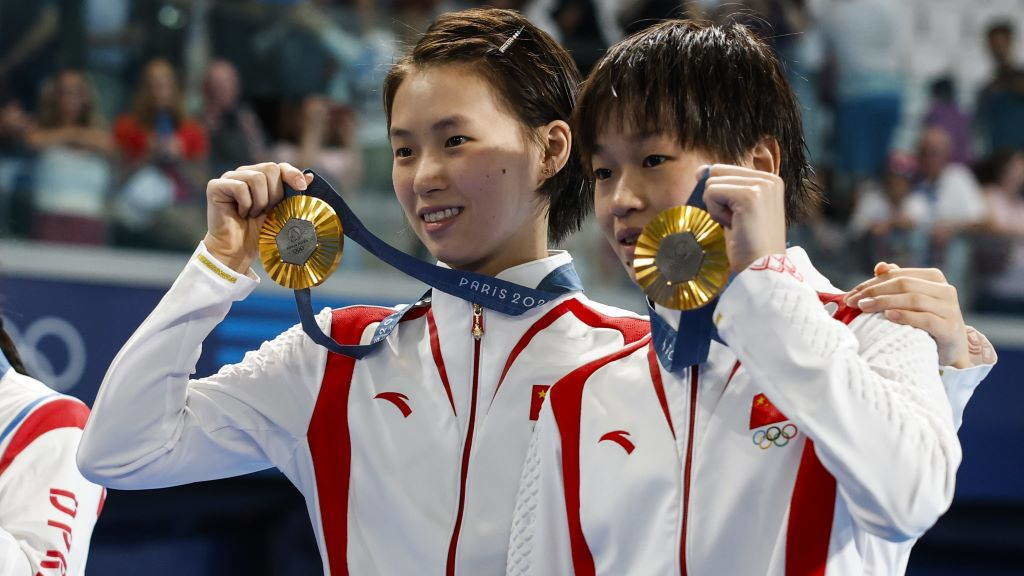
x=72 y=173
x=322 y=136
x=157 y=129
x=946 y=114
x=955 y=204
x=234 y=132
x=865 y=39
x=579 y=32
x=886 y=225
x=1001 y=103
x=29 y=42
x=999 y=255
x=163 y=150
x=15 y=168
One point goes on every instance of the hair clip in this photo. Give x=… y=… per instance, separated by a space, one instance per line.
x=511 y=40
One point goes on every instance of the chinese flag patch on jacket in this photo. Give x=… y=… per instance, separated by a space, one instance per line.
x=537 y=400
x=763 y=412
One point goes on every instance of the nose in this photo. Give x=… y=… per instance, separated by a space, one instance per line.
x=627 y=198
x=430 y=175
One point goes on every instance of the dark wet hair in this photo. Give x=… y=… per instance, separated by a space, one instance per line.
x=534 y=76
x=717 y=88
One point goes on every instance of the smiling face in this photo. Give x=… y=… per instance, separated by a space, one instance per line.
x=466 y=172
x=637 y=176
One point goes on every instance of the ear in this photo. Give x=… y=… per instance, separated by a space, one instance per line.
x=557 y=139
x=766 y=155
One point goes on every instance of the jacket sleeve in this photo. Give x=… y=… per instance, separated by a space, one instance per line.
x=960 y=383
x=152 y=426
x=868 y=394
x=539 y=544
x=47 y=509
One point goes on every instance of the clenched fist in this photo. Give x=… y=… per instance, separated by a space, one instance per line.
x=751 y=206
x=237 y=203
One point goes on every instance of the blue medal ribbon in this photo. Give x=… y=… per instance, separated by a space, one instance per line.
x=487 y=291
x=691 y=343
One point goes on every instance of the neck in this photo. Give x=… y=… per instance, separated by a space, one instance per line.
x=527 y=246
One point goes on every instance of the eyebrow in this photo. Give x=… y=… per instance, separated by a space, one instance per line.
x=446 y=123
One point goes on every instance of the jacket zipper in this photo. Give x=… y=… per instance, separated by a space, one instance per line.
x=694 y=378
x=478 y=334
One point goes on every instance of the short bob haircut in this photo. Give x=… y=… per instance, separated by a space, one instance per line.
x=717 y=88
x=534 y=76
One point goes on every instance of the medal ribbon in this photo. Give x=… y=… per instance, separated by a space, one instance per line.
x=487 y=291
x=690 y=344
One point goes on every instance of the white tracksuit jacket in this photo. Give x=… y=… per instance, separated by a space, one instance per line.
x=634 y=471
x=409 y=459
x=47 y=509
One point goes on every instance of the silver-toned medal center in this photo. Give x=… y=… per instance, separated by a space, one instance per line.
x=679 y=257
x=296 y=241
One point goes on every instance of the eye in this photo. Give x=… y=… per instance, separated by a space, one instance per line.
x=403 y=152
x=455 y=141
x=602 y=174
x=654 y=160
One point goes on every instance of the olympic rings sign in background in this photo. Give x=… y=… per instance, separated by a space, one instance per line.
x=61 y=376
x=775 y=436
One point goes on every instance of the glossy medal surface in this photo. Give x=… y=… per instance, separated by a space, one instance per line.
x=680 y=259
x=301 y=242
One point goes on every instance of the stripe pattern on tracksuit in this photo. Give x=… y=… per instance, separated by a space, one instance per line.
x=816 y=431
x=409 y=458
x=47 y=509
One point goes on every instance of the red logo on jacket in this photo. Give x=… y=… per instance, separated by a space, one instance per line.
x=401 y=401
x=620 y=437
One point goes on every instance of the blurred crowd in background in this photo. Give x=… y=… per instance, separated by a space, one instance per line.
x=114 y=113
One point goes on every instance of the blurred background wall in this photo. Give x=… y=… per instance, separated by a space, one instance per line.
x=114 y=113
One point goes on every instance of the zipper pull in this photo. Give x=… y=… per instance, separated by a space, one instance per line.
x=478 y=322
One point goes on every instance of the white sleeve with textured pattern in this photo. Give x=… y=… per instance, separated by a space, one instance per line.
x=868 y=394
x=539 y=543
x=152 y=426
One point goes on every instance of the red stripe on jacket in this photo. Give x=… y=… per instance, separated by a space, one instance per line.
x=812 y=506
x=59 y=413
x=566 y=398
x=328 y=434
x=632 y=329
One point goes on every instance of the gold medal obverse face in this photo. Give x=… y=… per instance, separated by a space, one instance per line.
x=301 y=242
x=680 y=259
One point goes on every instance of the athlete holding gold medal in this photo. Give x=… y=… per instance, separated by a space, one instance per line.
x=772 y=426
x=408 y=442
x=407 y=448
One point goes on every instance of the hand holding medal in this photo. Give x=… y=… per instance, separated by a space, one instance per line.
x=686 y=253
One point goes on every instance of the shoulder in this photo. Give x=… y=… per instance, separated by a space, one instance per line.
x=628 y=364
x=31 y=410
x=633 y=326
x=349 y=323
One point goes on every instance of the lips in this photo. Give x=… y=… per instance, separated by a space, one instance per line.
x=439 y=218
x=628 y=236
x=626 y=239
x=439 y=214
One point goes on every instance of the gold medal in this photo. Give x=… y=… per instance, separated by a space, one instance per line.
x=301 y=242
x=680 y=259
